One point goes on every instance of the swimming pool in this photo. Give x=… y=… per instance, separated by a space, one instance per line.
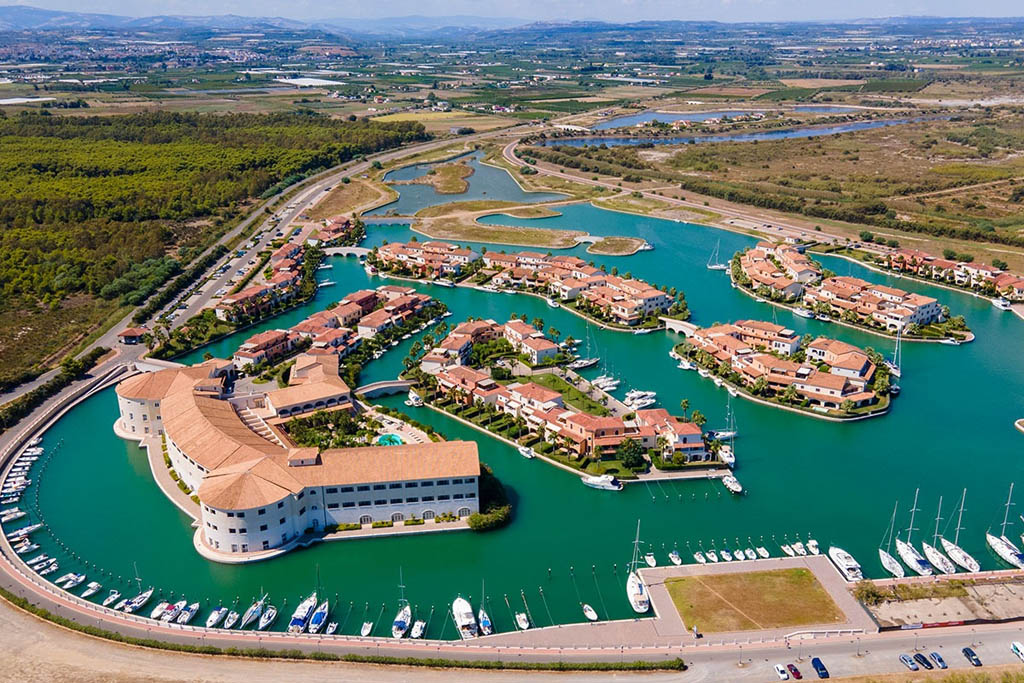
x=389 y=440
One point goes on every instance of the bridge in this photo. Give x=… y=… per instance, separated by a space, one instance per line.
x=346 y=251
x=384 y=388
x=679 y=326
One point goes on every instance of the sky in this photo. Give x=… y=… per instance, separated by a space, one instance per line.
x=534 y=10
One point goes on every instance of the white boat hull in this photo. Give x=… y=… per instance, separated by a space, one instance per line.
x=938 y=560
x=891 y=564
x=960 y=556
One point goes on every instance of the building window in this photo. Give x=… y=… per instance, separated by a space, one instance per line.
x=231 y=531
x=470 y=495
x=457 y=496
x=281 y=522
x=380 y=501
x=427 y=483
x=362 y=488
x=348 y=504
x=234 y=547
x=332 y=506
x=456 y=481
x=364 y=503
x=241 y=514
x=428 y=499
x=442 y=482
x=412 y=500
x=266 y=545
x=394 y=486
x=411 y=484
x=332 y=490
x=301 y=495
x=302 y=511
x=263 y=527
x=262 y=511
x=280 y=505
x=379 y=487
x=396 y=501
x=443 y=497
x=243 y=530
x=346 y=489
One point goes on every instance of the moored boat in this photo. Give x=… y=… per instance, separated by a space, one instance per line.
x=216 y=616
x=812 y=547
x=526 y=452
x=589 y=612
x=366 y=629
x=332 y=628
x=402 y=621
x=763 y=552
x=522 y=621
x=418 y=629
x=188 y=614
x=138 y=601
x=231 y=619
x=788 y=549
x=711 y=555
x=907 y=552
x=465 y=621
x=846 y=564
x=254 y=612
x=674 y=557
x=605 y=482
x=804 y=313
x=319 y=618
x=1002 y=546
x=111 y=598
x=651 y=560
x=799 y=549
x=301 y=615
x=1002 y=304
x=172 y=611
x=268 y=617
x=699 y=556
x=91 y=588
x=159 y=610
x=953 y=549
x=635 y=589
x=733 y=484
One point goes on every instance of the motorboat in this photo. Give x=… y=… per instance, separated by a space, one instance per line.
x=414 y=400
x=686 y=365
x=526 y=452
x=366 y=629
x=402 y=622
x=812 y=547
x=589 y=612
x=788 y=549
x=799 y=549
x=637 y=393
x=727 y=456
x=465 y=622
x=332 y=628
x=91 y=588
x=1002 y=304
x=725 y=554
x=552 y=303
x=418 y=629
x=674 y=557
x=216 y=616
x=522 y=621
x=119 y=605
x=171 y=611
x=703 y=373
x=733 y=484
x=26 y=547
x=186 y=615
x=646 y=330
x=231 y=619
x=949 y=341
x=301 y=615
x=650 y=560
x=75 y=581
x=138 y=601
x=23 y=531
x=605 y=482
x=319 y=618
x=762 y=552
x=64 y=578
x=712 y=556
x=699 y=557
x=268 y=617
x=254 y=612
x=111 y=598
x=641 y=403
x=804 y=313
x=846 y=564
x=749 y=553
x=49 y=570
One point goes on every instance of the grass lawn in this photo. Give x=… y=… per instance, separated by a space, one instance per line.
x=347 y=197
x=447 y=178
x=465 y=228
x=747 y=601
x=571 y=394
x=616 y=246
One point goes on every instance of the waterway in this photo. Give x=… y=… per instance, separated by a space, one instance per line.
x=671 y=117
x=950 y=428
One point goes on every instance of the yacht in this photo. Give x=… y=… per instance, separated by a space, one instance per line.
x=418 y=629
x=465 y=622
x=953 y=549
x=302 y=613
x=583 y=363
x=91 y=588
x=812 y=547
x=138 y=601
x=804 y=313
x=605 y=482
x=319 y=618
x=713 y=262
x=254 y=612
x=799 y=549
x=635 y=589
x=589 y=612
x=172 y=611
x=522 y=621
x=1002 y=546
x=733 y=484
x=111 y=598
x=846 y=564
x=403 y=618
x=552 y=303
x=526 y=452
x=1002 y=304
x=414 y=399
x=727 y=456
x=949 y=341
x=889 y=562
x=908 y=553
x=674 y=557
x=188 y=614
x=637 y=393
x=268 y=617
x=699 y=556
x=894 y=364
x=216 y=616
x=231 y=619
x=640 y=403
x=159 y=610
x=931 y=551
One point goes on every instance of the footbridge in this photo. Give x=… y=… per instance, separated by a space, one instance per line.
x=384 y=388
x=346 y=251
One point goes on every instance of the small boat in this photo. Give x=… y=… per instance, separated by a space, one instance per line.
x=414 y=400
x=254 y=612
x=949 y=341
x=788 y=549
x=91 y=588
x=699 y=556
x=120 y=604
x=762 y=552
x=49 y=570
x=482 y=617
x=402 y=621
x=725 y=554
x=418 y=629
x=846 y=564
x=712 y=555
x=26 y=548
x=804 y=313
x=812 y=546
x=651 y=560
x=326 y=283
x=301 y=615
x=35 y=442
x=11 y=515
x=332 y=628
x=138 y=601
x=824 y=318
x=111 y=598
x=1002 y=304
x=268 y=617
x=366 y=629
x=231 y=619
x=674 y=557
x=733 y=484
x=522 y=621
x=526 y=452
x=799 y=549
x=686 y=365
x=703 y=373
x=552 y=303
x=732 y=391
x=444 y=283
x=749 y=553
x=75 y=581
x=64 y=578
x=171 y=611
x=605 y=482
x=319 y=618
x=646 y=330
x=188 y=614
x=589 y=612
x=465 y=622
x=23 y=531
x=216 y=616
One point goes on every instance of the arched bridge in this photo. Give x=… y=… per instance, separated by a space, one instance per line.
x=384 y=388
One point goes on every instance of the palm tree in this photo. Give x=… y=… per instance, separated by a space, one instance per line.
x=698 y=418
x=684 y=405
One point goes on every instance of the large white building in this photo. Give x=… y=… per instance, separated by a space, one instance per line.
x=258 y=491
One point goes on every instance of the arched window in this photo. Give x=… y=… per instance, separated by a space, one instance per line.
x=397 y=517
x=366 y=519
x=464 y=512
x=428 y=514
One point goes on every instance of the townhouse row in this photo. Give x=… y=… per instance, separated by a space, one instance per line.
x=960 y=273
x=283 y=284
x=455 y=349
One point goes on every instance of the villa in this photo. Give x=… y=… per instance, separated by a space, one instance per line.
x=427 y=258
x=257 y=490
x=888 y=307
x=962 y=273
x=763 y=272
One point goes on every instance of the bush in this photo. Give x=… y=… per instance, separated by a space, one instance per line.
x=497 y=510
x=380 y=524
x=413 y=522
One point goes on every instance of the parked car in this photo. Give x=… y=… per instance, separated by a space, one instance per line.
x=1017 y=649
x=939 y=661
x=819 y=667
x=923 y=661
x=971 y=657
x=780 y=671
x=909 y=663
x=794 y=672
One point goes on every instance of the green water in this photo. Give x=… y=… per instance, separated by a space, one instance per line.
x=950 y=428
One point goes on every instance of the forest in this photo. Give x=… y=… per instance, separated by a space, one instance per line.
x=111 y=207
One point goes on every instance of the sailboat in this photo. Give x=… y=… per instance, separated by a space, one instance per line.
x=953 y=549
x=635 y=589
x=586 y=361
x=907 y=552
x=1001 y=544
x=403 y=619
x=713 y=262
x=897 y=356
x=938 y=560
x=729 y=432
x=486 y=626
x=890 y=563
x=254 y=612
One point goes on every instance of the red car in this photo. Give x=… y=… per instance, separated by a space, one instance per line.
x=794 y=672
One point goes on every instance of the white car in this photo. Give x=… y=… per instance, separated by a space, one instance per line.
x=781 y=672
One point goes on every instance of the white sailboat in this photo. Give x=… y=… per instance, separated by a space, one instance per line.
x=897 y=356
x=254 y=612
x=484 y=619
x=1001 y=544
x=635 y=589
x=713 y=262
x=953 y=549
x=907 y=552
x=403 y=619
x=938 y=560
x=890 y=563
x=729 y=432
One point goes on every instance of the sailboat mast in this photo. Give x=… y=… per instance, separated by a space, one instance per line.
x=1006 y=514
x=913 y=509
x=892 y=527
x=935 y=538
x=956 y=535
x=636 y=547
